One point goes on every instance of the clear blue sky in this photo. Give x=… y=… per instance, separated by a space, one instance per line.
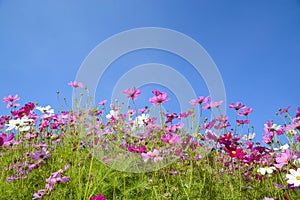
x=255 y=44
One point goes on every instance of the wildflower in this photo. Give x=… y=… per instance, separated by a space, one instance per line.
x=140 y=120
x=113 y=114
x=235 y=153
x=171 y=138
x=212 y=104
x=237 y=106
x=267 y=198
x=98 y=197
x=285 y=110
x=75 y=84
x=19 y=124
x=294 y=177
x=159 y=97
x=45 y=110
x=23 y=111
x=282 y=159
x=101 y=103
x=10 y=100
x=211 y=136
x=265 y=169
x=132 y=93
x=4 y=139
x=298 y=112
x=250 y=136
x=245 y=111
x=240 y=122
x=282 y=148
x=153 y=155
x=200 y=100
x=170 y=117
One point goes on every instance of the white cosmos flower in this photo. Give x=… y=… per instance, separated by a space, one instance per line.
x=251 y=136
x=19 y=124
x=45 y=110
x=265 y=170
x=282 y=148
x=294 y=177
x=113 y=113
x=276 y=127
x=140 y=120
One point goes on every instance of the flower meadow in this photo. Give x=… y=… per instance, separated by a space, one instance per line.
x=102 y=153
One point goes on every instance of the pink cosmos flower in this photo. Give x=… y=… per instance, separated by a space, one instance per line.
x=245 y=111
x=212 y=104
x=171 y=138
x=101 y=103
x=132 y=93
x=4 y=139
x=283 y=159
x=237 y=106
x=153 y=155
x=159 y=97
x=75 y=84
x=200 y=100
x=10 y=100
x=239 y=122
x=284 y=110
x=211 y=136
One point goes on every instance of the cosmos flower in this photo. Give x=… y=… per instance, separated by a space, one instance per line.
x=237 y=106
x=265 y=170
x=283 y=159
x=132 y=93
x=152 y=155
x=10 y=100
x=294 y=177
x=200 y=100
x=75 y=84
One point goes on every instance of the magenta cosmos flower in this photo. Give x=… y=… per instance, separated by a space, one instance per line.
x=75 y=84
x=132 y=93
x=98 y=197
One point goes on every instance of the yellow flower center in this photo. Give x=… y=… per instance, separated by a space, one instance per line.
x=285 y=160
x=170 y=141
x=233 y=152
x=152 y=155
x=298 y=178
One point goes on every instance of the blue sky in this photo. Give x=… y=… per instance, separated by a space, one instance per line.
x=255 y=45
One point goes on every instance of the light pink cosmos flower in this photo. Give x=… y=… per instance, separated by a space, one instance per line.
x=153 y=155
x=245 y=111
x=211 y=136
x=200 y=100
x=159 y=97
x=75 y=84
x=283 y=159
x=132 y=93
x=101 y=103
x=212 y=104
x=237 y=105
x=171 y=138
x=10 y=100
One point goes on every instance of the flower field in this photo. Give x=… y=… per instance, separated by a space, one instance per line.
x=146 y=153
